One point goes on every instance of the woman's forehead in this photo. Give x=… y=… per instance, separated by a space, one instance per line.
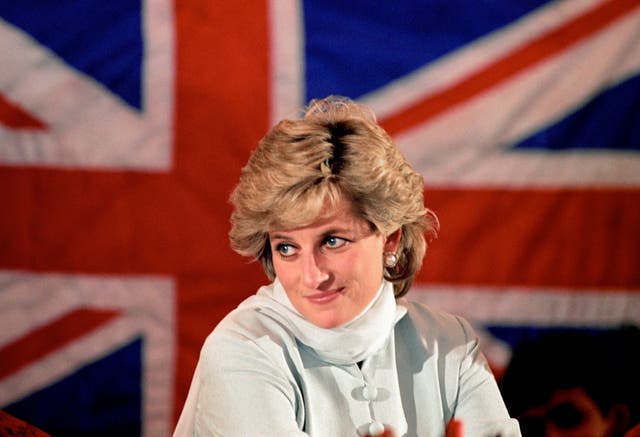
x=339 y=219
x=311 y=211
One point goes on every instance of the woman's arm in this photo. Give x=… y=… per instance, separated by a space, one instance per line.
x=480 y=406
x=244 y=392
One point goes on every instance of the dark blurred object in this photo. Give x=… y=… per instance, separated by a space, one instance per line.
x=633 y=432
x=575 y=382
x=12 y=426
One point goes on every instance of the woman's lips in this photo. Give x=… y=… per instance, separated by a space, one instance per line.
x=325 y=296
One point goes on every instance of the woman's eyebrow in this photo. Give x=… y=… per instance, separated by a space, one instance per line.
x=347 y=232
x=279 y=237
x=333 y=231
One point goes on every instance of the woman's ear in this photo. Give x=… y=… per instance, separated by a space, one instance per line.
x=392 y=241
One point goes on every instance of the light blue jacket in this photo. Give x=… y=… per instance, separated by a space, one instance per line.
x=255 y=379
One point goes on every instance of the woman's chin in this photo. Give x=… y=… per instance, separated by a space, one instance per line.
x=328 y=321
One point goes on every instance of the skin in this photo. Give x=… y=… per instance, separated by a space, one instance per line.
x=331 y=269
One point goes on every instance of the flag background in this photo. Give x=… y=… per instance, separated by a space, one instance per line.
x=123 y=133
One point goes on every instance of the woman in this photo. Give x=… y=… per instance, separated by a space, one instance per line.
x=335 y=215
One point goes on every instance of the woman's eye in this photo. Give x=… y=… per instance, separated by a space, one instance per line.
x=285 y=249
x=334 y=242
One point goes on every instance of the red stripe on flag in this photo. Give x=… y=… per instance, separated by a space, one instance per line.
x=511 y=64
x=45 y=339
x=12 y=116
x=115 y=222
x=578 y=239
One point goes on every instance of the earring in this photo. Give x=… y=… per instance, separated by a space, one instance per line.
x=390 y=259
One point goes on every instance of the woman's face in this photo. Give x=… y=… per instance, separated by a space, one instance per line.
x=331 y=269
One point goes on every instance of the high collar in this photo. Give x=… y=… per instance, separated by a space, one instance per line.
x=351 y=342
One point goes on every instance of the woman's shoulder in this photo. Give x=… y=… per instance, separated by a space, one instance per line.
x=436 y=324
x=428 y=314
x=248 y=323
x=247 y=331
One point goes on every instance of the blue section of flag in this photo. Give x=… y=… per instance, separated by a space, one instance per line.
x=609 y=121
x=514 y=335
x=103 y=398
x=355 y=47
x=102 y=39
x=358 y=47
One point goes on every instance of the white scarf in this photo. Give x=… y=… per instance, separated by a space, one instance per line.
x=351 y=342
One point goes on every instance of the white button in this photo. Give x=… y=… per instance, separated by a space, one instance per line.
x=376 y=428
x=369 y=393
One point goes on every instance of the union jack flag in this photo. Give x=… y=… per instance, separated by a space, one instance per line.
x=124 y=125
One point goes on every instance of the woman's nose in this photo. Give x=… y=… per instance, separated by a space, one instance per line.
x=314 y=270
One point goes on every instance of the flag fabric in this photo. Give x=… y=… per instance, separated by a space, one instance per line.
x=123 y=128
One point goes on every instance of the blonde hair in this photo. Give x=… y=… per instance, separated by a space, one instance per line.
x=336 y=151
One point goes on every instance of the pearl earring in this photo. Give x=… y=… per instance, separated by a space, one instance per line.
x=390 y=259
